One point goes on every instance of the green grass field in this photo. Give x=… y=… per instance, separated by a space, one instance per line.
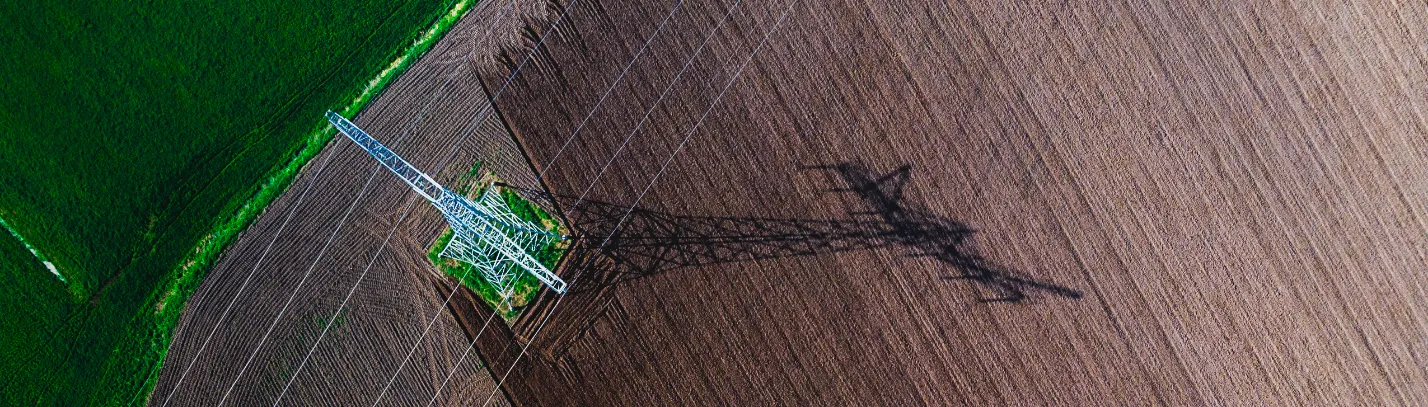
x=136 y=139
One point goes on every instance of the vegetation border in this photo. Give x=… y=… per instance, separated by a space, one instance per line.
x=207 y=251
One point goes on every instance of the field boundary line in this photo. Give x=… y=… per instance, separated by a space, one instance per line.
x=342 y=222
x=227 y=232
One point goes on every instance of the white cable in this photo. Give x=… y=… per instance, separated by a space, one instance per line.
x=436 y=315
x=688 y=135
x=645 y=118
x=475 y=123
x=621 y=75
x=292 y=211
x=340 y=224
x=301 y=281
x=606 y=94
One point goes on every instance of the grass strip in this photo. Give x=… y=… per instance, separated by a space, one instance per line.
x=208 y=250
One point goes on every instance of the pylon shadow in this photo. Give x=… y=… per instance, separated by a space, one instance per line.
x=617 y=243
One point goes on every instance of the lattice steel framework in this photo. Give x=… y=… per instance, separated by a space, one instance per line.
x=486 y=234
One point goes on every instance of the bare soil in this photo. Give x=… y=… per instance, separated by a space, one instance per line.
x=1233 y=191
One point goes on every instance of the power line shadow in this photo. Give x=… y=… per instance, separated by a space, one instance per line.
x=619 y=243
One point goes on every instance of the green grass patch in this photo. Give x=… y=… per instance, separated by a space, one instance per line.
x=139 y=139
x=526 y=285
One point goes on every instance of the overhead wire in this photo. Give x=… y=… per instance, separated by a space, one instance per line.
x=687 y=136
x=411 y=124
x=282 y=227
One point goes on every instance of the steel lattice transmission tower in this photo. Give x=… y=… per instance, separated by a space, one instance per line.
x=486 y=234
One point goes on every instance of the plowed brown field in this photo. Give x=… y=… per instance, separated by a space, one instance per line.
x=1191 y=204
x=1235 y=191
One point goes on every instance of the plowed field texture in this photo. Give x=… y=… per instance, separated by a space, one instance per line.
x=907 y=202
x=137 y=138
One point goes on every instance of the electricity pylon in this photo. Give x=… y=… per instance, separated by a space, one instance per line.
x=485 y=233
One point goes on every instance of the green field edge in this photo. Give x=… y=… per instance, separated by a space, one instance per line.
x=207 y=251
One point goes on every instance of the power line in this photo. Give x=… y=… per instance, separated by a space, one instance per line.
x=436 y=315
x=480 y=117
x=489 y=318
x=687 y=136
x=292 y=211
